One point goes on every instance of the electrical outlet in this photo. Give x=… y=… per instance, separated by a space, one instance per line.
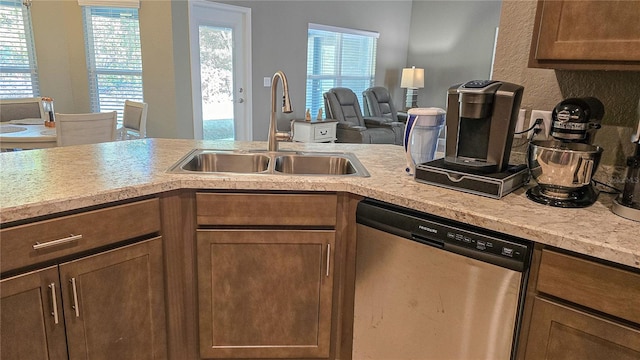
x=520 y=123
x=545 y=127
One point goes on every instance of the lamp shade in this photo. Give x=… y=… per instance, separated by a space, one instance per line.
x=412 y=78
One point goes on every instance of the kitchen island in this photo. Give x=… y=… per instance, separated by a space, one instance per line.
x=226 y=265
x=43 y=182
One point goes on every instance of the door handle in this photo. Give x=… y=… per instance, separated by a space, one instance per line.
x=328 y=257
x=54 y=303
x=70 y=238
x=241 y=100
x=74 y=290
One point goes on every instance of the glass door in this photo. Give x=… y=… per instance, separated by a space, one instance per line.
x=220 y=70
x=216 y=76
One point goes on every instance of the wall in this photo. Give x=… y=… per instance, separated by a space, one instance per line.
x=164 y=41
x=442 y=36
x=279 y=39
x=279 y=32
x=619 y=91
x=59 y=40
x=58 y=35
x=453 y=41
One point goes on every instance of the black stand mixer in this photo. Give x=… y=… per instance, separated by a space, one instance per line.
x=564 y=167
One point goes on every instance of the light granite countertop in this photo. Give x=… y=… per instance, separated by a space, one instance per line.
x=42 y=182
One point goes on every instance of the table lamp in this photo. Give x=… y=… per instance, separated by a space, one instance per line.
x=412 y=79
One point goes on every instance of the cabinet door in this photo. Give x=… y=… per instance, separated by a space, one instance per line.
x=265 y=293
x=588 y=32
x=31 y=317
x=558 y=332
x=114 y=303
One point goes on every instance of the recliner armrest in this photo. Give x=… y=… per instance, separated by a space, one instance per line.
x=381 y=122
x=350 y=126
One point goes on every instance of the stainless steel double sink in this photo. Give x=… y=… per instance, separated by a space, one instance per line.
x=263 y=162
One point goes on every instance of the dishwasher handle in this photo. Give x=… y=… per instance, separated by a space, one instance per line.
x=426 y=241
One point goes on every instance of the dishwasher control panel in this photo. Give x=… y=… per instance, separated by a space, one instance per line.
x=489 y=244
x=482 y=244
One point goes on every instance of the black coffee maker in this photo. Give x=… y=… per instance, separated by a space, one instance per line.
x=481 y=118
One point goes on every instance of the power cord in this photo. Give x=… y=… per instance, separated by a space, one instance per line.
x=614 y=192
x=532 y=135
x=535 y=132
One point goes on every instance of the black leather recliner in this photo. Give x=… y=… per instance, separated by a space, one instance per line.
x=378 y=103
x=342 y=104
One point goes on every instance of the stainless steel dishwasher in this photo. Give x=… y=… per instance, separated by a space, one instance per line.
x=431 y=288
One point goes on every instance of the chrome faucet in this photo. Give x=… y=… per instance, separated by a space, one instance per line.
x=274 y=134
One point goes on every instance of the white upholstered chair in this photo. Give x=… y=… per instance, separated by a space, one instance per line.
x=19 y=109
x=134 y=120
x=76 y=129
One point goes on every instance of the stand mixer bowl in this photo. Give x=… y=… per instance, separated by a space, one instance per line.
x=561 y=168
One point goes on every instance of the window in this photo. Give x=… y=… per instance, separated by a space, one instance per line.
x=114 y=60
x=18 y=67
x=338 y=57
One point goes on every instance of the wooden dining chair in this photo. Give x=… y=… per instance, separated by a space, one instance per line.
x=23 y=108
x=134 y=120
x=92 y=128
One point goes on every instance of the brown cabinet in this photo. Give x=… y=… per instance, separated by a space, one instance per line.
x=265 y=266
x=32 y=323
x=563 y=332
x=583 y=310
x=105 y=306
x=84 y=285
x=589 y=34
x=47 y=240
x=265 y=293
x=114 y=303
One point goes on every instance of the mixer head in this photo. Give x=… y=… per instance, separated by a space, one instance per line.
x=577 y=119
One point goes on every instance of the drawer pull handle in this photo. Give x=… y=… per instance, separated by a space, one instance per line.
x=328 y=257
x=70 y=238
x=75 y=306
x=54 y=303
x=324 y=132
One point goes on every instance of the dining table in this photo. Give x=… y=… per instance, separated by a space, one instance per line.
x=26 y=134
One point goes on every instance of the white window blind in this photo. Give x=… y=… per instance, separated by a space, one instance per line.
x=18 y=66
x=338 y=57
x=114 y=60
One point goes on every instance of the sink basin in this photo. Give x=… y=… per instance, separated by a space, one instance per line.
x=217 y=161
x=210 y=161
x=314 y=165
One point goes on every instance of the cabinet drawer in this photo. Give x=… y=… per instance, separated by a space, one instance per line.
x=597 y=286
x=266 y=209
x=79 y=232
x=324 y=132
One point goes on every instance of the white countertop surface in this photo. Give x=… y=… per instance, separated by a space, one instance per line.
x=41 y=182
